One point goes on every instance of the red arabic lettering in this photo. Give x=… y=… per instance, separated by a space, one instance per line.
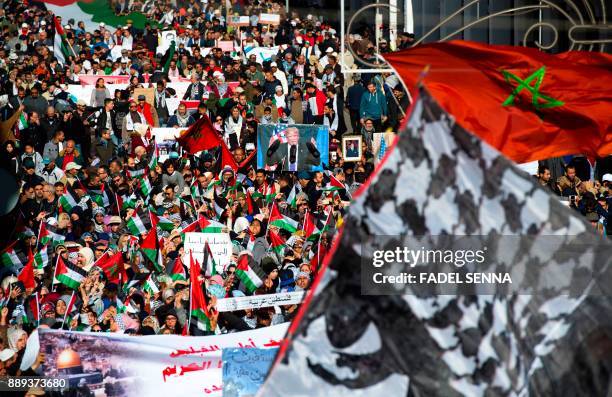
x=273 y=343
x=191 y=350
x=168 y=371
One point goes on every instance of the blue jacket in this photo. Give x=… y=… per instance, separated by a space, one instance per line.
x=373 y=106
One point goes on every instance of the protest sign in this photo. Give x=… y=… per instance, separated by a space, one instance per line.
x=276 y=143
x=258 y=301
x=269 y=19
x=156 y=365
x=149 y=94
x=220 y=246
x=239 y=20
x=86 y=79
x=226 y=45
x=165 y=40
x=244 y=370
x=262 y=54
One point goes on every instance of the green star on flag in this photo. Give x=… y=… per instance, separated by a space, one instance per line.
x=536 y=95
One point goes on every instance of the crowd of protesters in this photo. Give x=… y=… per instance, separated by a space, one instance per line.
x=85 y=170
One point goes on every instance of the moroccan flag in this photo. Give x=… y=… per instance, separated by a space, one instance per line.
x=48 y=234
x=27 y=273
x=527 y=103
x=139 y=222
x=41 y=259
x=198 y=306
x=203 y=136
x=252 y=276
x=282 y=221
x=151 y=250
x=68 y=274
x=277 y=244
x=60 y=43
x=112 y=266
x=12 y=257
x=177 y=271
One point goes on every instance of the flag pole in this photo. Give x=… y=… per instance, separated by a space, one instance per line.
x=190 y=293
x=55 y=272
x=65 y=314
x=37 y=309
x=39 y=231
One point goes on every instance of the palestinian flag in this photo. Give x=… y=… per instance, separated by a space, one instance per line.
x=27 y=274
x=22 y=122
x=136 y=173
x=139 y=222
x=265 y=192
x=311 y=231
x=152 y=251
x=69 y=308
x=177 y=271
x=251 y=276
x=161 y=222
x=60 y=43
x=281 y=221
x=41 y=259
x=48 y=235
x=11 y=257
x=150 y=285
x=69 y=199
x=334 y=184
x=144 y=185
x=112 y=266
x=34 y=304
x=292 y=198
x=277 y=244
x=220 y=204
x=251 y=207
x=68 y=274
x=210 y=267
x=100 y=196
x=197 y=303
x=154 y=158
x=203 y=225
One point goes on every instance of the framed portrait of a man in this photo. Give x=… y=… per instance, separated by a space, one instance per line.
x=351 y=147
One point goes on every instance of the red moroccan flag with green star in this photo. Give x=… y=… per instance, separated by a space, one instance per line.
x=528 y=104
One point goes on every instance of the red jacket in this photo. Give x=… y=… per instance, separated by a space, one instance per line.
x=320 y=100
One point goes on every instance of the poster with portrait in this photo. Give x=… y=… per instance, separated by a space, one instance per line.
x=351 y=147
x=292 y=147
x=165 y=40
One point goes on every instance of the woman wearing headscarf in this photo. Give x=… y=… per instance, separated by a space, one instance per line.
x=86 y=258
x=17 y=339
x=10 y=159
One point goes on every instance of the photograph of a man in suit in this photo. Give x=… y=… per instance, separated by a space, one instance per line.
x=295 y=155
